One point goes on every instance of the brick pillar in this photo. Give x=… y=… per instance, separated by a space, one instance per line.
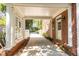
x=74 y=29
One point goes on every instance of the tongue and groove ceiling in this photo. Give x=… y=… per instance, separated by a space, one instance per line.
x=48 y=10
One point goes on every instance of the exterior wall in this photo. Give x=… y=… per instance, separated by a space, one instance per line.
x=50 y=28
x=53 y=29
x=19 y=29
x=64 y=29
x=45 y=25
x=73 y=49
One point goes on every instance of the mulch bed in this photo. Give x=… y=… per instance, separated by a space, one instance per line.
x=16 y=48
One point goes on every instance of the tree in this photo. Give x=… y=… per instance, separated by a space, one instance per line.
x=3 y=8
x=2 y=23
x=2 y=17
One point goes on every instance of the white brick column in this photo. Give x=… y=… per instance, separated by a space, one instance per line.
x=23 y=24
x=69 y=26
x=10 y=27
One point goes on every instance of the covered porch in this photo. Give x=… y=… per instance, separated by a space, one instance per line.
x=57 y=23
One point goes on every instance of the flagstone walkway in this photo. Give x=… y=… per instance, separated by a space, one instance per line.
x=40 y=46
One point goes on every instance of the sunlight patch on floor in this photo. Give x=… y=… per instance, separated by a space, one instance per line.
x=42 y=51
x=40 y=46
x=35 y=35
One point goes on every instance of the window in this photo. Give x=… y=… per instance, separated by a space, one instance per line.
x=59 y=25
x=28 y=24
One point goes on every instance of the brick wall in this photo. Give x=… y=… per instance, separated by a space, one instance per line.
x=73 y=49
x=64 y=41
x=64 y=29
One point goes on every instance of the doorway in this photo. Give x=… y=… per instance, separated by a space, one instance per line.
x=58 y=29
x=33 y=25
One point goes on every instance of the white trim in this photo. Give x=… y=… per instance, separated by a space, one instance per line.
x=69 y=27
x=58 y=32
x=77 y=5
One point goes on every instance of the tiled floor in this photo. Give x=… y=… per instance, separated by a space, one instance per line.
x=40 y=46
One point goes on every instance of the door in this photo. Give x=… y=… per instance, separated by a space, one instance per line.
x=58 y=29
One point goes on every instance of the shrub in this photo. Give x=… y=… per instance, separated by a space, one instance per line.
x=47 y=36
x=2 y=38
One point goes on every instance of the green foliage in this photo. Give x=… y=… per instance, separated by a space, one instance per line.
x=2 y=38
x=47 y=36
x=2 y=21
x=33 y=25
x=2 y=7
x=38 y=23
x=1 y=35
x=28 y=24
x=3 y=10
x=34 y=29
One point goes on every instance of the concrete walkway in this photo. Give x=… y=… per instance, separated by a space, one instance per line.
x=40 y=46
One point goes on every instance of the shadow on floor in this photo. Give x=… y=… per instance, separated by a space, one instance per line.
x=40 y=46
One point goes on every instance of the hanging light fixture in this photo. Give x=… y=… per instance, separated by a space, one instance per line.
x=62 y=17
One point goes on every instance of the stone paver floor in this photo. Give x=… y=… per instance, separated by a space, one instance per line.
x=40 y=46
